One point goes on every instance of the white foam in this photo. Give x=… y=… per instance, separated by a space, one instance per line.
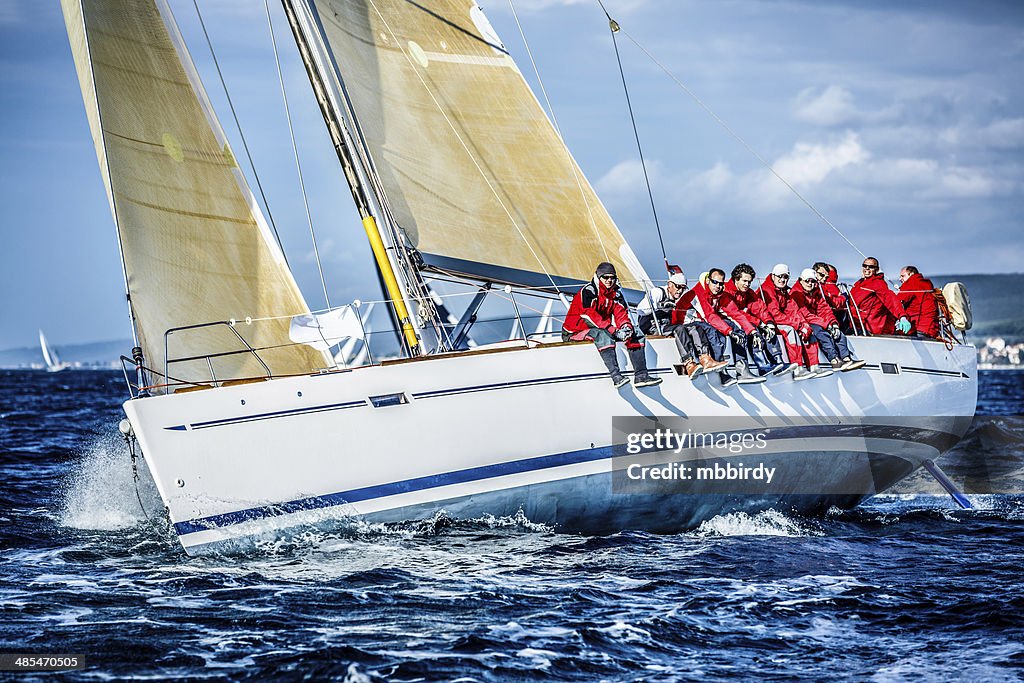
x=767 y=523
x=99 y=492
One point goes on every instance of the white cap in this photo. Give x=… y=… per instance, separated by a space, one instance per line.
x=809 y=275
x=780 y=269
x=678 y=279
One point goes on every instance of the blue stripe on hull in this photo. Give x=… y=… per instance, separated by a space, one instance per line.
x=939 y=440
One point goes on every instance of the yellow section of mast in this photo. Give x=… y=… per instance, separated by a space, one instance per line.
x=390 y=281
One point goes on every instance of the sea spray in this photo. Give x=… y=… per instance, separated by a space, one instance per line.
x=767 y=523
x=99 y=491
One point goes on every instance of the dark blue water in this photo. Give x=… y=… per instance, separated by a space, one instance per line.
x=905 y=588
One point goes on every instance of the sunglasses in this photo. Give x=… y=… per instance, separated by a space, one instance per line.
x=717 y=282
x=781 y=277
x=869 y=266
x=610 y=278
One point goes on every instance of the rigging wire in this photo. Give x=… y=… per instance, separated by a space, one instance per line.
x=739 y=139
x=614 y=27
x=295 y=151
x=238 y=125
x=558 y=131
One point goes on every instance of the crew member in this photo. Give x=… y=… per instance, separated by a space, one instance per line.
x=814 y=306
x=598 y=312
x=794 y=330
x=828 y=280
x=705 y=299
x=876 y=310
x=917 y=296
x=761 y=336
x=655 y=317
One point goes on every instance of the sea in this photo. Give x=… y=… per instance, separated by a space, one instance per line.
x=904 y=588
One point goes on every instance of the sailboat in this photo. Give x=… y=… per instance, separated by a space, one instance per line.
x=457 y=176
x=50 y=357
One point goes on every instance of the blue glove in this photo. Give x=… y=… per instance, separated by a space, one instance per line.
x=903 y=326
x=624 y=333
x=834 y=330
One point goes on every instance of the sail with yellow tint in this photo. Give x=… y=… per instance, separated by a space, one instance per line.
x=473 y=171
x=195 y=245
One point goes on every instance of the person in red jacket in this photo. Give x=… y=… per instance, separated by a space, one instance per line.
x=828 y=280
x=917 y=295
x=599 y=312
x=813 y=304
x=706 y=300
x=744 y=308
x=876 y=310
x=794 y=330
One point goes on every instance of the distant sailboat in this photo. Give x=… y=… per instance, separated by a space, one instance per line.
x=457 y=175
x=50 y=357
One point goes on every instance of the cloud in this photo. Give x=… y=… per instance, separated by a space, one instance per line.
x=1001 y=134
x=626 y=180
x=831 y=107
x=805 y=166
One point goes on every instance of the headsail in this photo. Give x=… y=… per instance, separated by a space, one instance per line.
x=471 y=167
x=195 y=245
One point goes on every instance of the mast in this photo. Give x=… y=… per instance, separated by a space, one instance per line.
x=344 y=148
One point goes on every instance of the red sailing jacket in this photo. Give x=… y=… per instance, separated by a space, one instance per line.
x=779 y=306
x=876 y=305
x=834 y=297
x=814 y=306
x=604 y=307
x=743 y=307
x=917 y=297
x=708 y=308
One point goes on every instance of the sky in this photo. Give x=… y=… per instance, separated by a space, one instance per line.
x=901 y=122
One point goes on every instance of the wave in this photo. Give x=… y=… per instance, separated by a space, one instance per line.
x=767 y=523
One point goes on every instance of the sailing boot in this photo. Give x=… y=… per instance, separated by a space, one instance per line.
x=850 y=364
x=710 y=364
x=727 y=379
x=692 y=369
x=801 y=373
x=745 y=376
x=641 y=378
x=612 y=363
x=821 y=371
x=836 y=363
x=785 y=368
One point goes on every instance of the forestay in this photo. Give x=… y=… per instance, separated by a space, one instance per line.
x=472 y=169
x=195 y=245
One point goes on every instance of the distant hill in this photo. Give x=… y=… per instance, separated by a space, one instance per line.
x=92 y=354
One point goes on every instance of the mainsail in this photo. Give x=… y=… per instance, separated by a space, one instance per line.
x=49 y=353
x=195 y=245
x=471 y=168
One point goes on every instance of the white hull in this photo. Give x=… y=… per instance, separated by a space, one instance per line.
x=491 y=433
